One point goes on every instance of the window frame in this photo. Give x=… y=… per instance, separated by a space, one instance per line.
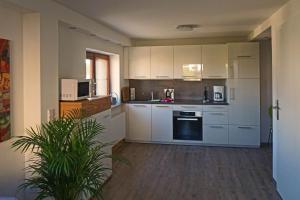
x=93 y=56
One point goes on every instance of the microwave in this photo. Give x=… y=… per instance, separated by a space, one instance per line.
x=74 y=89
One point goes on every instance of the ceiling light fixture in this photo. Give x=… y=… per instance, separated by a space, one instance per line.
x=187 y=27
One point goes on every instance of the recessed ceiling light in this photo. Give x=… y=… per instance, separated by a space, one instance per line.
x=187 y=27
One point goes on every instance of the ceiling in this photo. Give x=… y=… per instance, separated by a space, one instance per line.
x=157 y=19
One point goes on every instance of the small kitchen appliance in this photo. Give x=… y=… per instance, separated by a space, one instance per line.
x=219 y=93
x=132 y=94
x=74 y=89
x=168 y=95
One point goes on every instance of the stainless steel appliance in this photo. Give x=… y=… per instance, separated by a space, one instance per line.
x=219 y=93
x=187 y=125
x=74 y=89
x=169 y=93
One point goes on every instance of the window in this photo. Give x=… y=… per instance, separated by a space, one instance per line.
x=98 y=70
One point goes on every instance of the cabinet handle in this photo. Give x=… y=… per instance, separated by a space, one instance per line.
x=216 y=126
x=106 y=116
x=232 y=94
x=217 y=107
x=219 y=114
x=140 y=76
x=162 y=106
x=214 y=76
x=162 y=76
x=187 y=119
x=140 y=106
x=244 y=56
x=188 y=107
x=244 y=127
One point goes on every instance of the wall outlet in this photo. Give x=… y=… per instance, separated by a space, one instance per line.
x=50 y=114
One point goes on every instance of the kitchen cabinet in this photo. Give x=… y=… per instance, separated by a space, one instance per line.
x=139 y=122
x=162 y=123
x=162 y=62
x=139 y=62
x=215 y=134
x=188 y=107
x=215 y=117
x=189 y=54
x=243 y=50
x=215 y=61
x=244 y=101
x=126 y=62
x=244 y=135
x=104 y=118
x=242 y=68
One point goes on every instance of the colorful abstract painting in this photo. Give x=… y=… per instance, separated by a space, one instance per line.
x=4 y=90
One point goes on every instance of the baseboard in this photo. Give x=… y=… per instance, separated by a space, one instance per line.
x=117 y=146
x=275 y=185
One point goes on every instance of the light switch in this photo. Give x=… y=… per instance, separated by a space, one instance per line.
x=50 y=114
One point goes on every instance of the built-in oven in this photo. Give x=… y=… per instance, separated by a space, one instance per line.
x=187 y=125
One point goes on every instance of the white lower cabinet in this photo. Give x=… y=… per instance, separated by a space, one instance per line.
x=244 y=135
x=215 y=134
x=139 y=121
x=162 y=123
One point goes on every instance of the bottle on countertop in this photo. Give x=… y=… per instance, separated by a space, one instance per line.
x=206 y=94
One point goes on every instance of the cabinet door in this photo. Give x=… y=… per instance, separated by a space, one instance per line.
x=244 y=135
x=243 y=50
x=244 y=68
x=190 y=54
x=139 y=62
x=162 y=126
x=126 y=62
x=215 y=61
x=139 y=122
x=244 y=101
x=215 y=134
x=104 y=118
x=162 y=62
x=215 y=117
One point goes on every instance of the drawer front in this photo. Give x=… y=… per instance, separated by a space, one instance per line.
x=244 y=135
x=215 y=108
x=188 y=107
x=215 y=134
x=215 y=117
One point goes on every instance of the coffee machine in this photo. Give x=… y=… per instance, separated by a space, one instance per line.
x=219 y=93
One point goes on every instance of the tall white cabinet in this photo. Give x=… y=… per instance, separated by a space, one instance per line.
x=243 y=89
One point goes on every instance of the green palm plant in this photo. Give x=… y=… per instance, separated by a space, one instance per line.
x=67 y=161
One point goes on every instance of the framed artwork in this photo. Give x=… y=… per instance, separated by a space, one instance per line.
x=5 y=132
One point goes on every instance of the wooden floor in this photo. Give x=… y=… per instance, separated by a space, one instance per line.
x=173 y=172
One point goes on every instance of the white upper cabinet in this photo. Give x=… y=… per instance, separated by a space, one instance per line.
x=243 y=50
x=190 y=54
x=162 y=62
x=215 y=61
x=139 y=62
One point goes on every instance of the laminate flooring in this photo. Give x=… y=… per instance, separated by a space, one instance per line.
x=176 y=172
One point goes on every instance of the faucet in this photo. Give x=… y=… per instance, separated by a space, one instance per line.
x=152 y=96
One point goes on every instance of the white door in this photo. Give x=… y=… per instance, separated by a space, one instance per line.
x=162 y=62
x=244 y=68
x=139 y=62
x=162 y=123
x=287 y=134
x=189 y=54
x=139 y=122
x=215 y=61
x=244 y=101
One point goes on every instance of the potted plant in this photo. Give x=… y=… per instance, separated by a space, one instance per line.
x=67 y=161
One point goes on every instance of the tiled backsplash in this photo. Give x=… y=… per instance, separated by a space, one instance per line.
x=190 y=90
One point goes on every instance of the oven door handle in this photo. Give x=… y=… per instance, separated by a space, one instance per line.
x=187 y=119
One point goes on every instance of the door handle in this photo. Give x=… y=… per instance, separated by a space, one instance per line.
x=277 y=108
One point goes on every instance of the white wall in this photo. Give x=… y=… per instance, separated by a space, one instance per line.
x=12 y=163
x=72 y=53
x=285 y=27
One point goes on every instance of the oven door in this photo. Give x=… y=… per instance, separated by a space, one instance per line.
x=187 y=128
